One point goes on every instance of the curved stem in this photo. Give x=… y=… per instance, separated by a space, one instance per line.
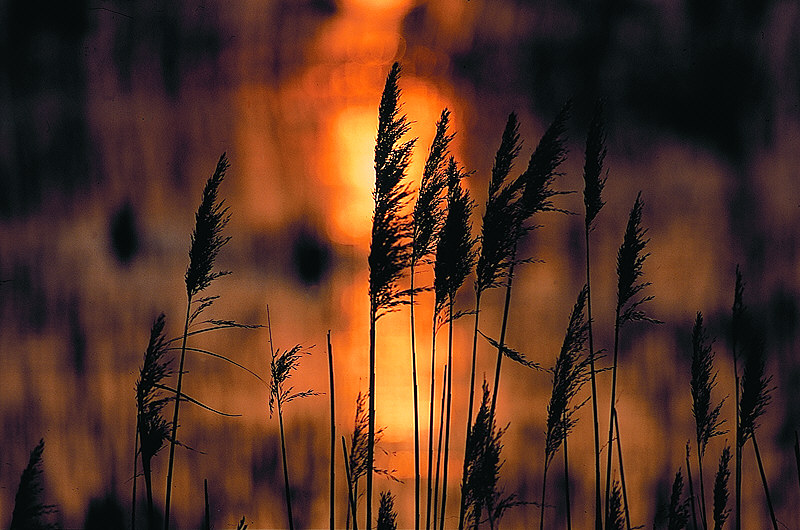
x=449 y=402
x=764 y=482
x=609 y=448
x=333 y=434
x=371 y=433
x=462 y=510
x=502 y=341
x=430 y=499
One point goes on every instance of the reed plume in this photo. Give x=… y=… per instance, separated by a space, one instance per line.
x=479 y=487
x=536 y=194
x=755 y=397
x=706 y=415
x=455 y=257
x=496 y=247
x=387 y=517
x=615 y=518
x=282 y=365
x=30 y=512
x=206 y=242
x=594 y=182
x=678 y=516
x=570 y=373
x=630 y=259
x=427 y=221
x=152 y=429
x=390 y=245
x=721 y=511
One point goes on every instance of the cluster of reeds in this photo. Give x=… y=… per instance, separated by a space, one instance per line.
x=436 y=230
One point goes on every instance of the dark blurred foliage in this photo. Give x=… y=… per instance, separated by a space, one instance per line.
x=105 y=513
x=697 y=68
x=42 y=100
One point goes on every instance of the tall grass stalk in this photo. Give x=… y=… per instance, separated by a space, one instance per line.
x=432 y=497
x=282 y=364
x=797 y=454
x=455 y=257
x=390 y=246
x=630 y=259
x=622 y=473
x=570 y=373
x=152 y=430
x=351 y=499
x=427 y=221
x=706 y=414
x=206 y=242
x=332 y=500
x=536 y=187
x=594 y=182
x=497 y=243
x=737 y=321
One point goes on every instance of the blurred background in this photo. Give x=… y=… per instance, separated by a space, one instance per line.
x=114 y=113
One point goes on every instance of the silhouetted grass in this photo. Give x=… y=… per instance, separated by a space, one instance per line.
x=30 y=511
x=678 y=515
x=721 y=494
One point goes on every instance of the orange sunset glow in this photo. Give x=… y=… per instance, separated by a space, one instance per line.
x=115 y=113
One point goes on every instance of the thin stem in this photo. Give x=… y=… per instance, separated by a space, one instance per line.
x=613 y=410
x=371 y=433
x=691 y=487
x=351 y=506
x=462 y=511
x=429 y=499
x=503 y=328
x=544 y=491
x=148 y=484
x=416 y=402
x=207 y=521
x=449 y=402
x=622 y=472
x=333 y=434
x=797 y=454
x=174 y=438
x=566 y=478
x=285 y=470
x=135 y=460
x=764 y=482
x=439 y=451
x=702 y=502
x=598 y=520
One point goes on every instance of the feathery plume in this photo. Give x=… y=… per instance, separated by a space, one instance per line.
x=207 y=239
x=615 y=518
x=498 y=236
x=704 y=379
x=593 y=167
x=281 y=368
x=721 y=510
x=678 y=517
x=455 y=254
x=428 y=214
x=387 y=517
x=479 y=487
x=538 y=178
x=30 y=512
x=569 y=375
x=755 y=390
x=390 y=246
x=629 y=268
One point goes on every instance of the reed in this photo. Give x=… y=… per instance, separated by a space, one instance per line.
x=706 y=414
x=721 y=510
x=282 y=365
x=206 y=242
x=427 y=222
x=737 y=323
x=678 y=515
x=387 y=517
x=594 y=182
x=692 y=504
x=455 y=257
x=30 y=511
x=435 y=499
x=332 y=485
x=615 y=518
x=390 y=246
x=570 y=373
x=630 y=259
x=496 y=246
x=152 y=429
